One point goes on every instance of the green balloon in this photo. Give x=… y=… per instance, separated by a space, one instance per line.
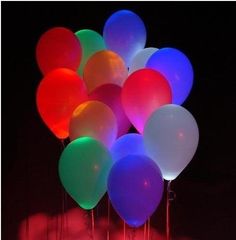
x=91 y=42
x=83 y=169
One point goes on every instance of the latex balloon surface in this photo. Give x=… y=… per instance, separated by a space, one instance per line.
x=171 y=138
x=140 y=59
x=144 y=91
x=124 y=33
x=135 y=187
x=128 y=144
x=83 y=169
x=110 y=94
x=58 y=94
x=176 y=68
x=58 y=48
x=104 y=67
x=91 y=42
x=94 y=119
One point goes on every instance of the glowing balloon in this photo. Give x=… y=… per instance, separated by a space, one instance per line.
x=143 y=92
x=104 y=67
x=171 y=138
x=58 y=94
x=140 y=59
x=128 y=144
x=91 y=42
x=58 y=48
x=176 y=68
x=94 y=119
x=110 y=94
x=135 y=188
x=124 y=33
x=83 y=169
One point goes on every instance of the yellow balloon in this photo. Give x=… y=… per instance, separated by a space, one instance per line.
x=104 y=67
x=94 y=119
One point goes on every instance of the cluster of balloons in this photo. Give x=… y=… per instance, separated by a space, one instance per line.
x=94 y=88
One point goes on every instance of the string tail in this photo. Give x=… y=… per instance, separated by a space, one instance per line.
x=108 y=218
x=124 y=231
x=168 y=191
x=144 y=231
x=93 y=225
x=148 y=229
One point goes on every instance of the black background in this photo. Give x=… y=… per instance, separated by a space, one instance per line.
x=206 y=189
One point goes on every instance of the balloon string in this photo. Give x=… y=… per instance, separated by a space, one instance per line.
x=63 y=201
x=148 y=229
x=133 y=234
x=108 y=218
x=124 y=230
x=47 y=227
x=144 y=231
x=57 y=229
x=27 y=228
x=65 y=209
x=92 y=221
x=62 y=215
x=63 y=144
x=168 y=191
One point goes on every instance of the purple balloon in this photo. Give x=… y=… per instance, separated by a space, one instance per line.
x=135 y=188
x=110 y=94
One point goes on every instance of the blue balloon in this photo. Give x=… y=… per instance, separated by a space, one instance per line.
x=128 y=144
x=124 y=33
x=135 y=188
x=177 y=69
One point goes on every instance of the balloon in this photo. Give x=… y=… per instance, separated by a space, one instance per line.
x=84 y=166
x=135 y=188
x=171 y=138
x=94 y=119
x=110 y=94
x=140 y=59
x=104 y=67
x=91 y=42
x=143 y=92
x=124 y=33
x=129 y=144
x=58 y=48
x=58 y=94
x=177 y=69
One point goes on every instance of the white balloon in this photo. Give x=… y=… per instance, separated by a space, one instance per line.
x=140 y=59
x=171 y=138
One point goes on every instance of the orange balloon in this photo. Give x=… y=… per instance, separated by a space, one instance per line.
x=58 y=94
x=94 y=119
x=104 y=67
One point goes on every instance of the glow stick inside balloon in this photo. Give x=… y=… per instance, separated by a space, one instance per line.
x=135 y=187
x=171 y=139
x=176 y=68
x=124 y=33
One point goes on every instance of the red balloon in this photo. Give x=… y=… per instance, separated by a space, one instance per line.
x=58 y=94
x=110 y=94
x=58 y=48
x=144 y=91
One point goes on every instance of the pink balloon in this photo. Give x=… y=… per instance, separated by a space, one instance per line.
x=144 y=91
x=110 y=94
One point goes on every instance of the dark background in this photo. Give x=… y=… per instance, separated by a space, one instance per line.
x=206 y=190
